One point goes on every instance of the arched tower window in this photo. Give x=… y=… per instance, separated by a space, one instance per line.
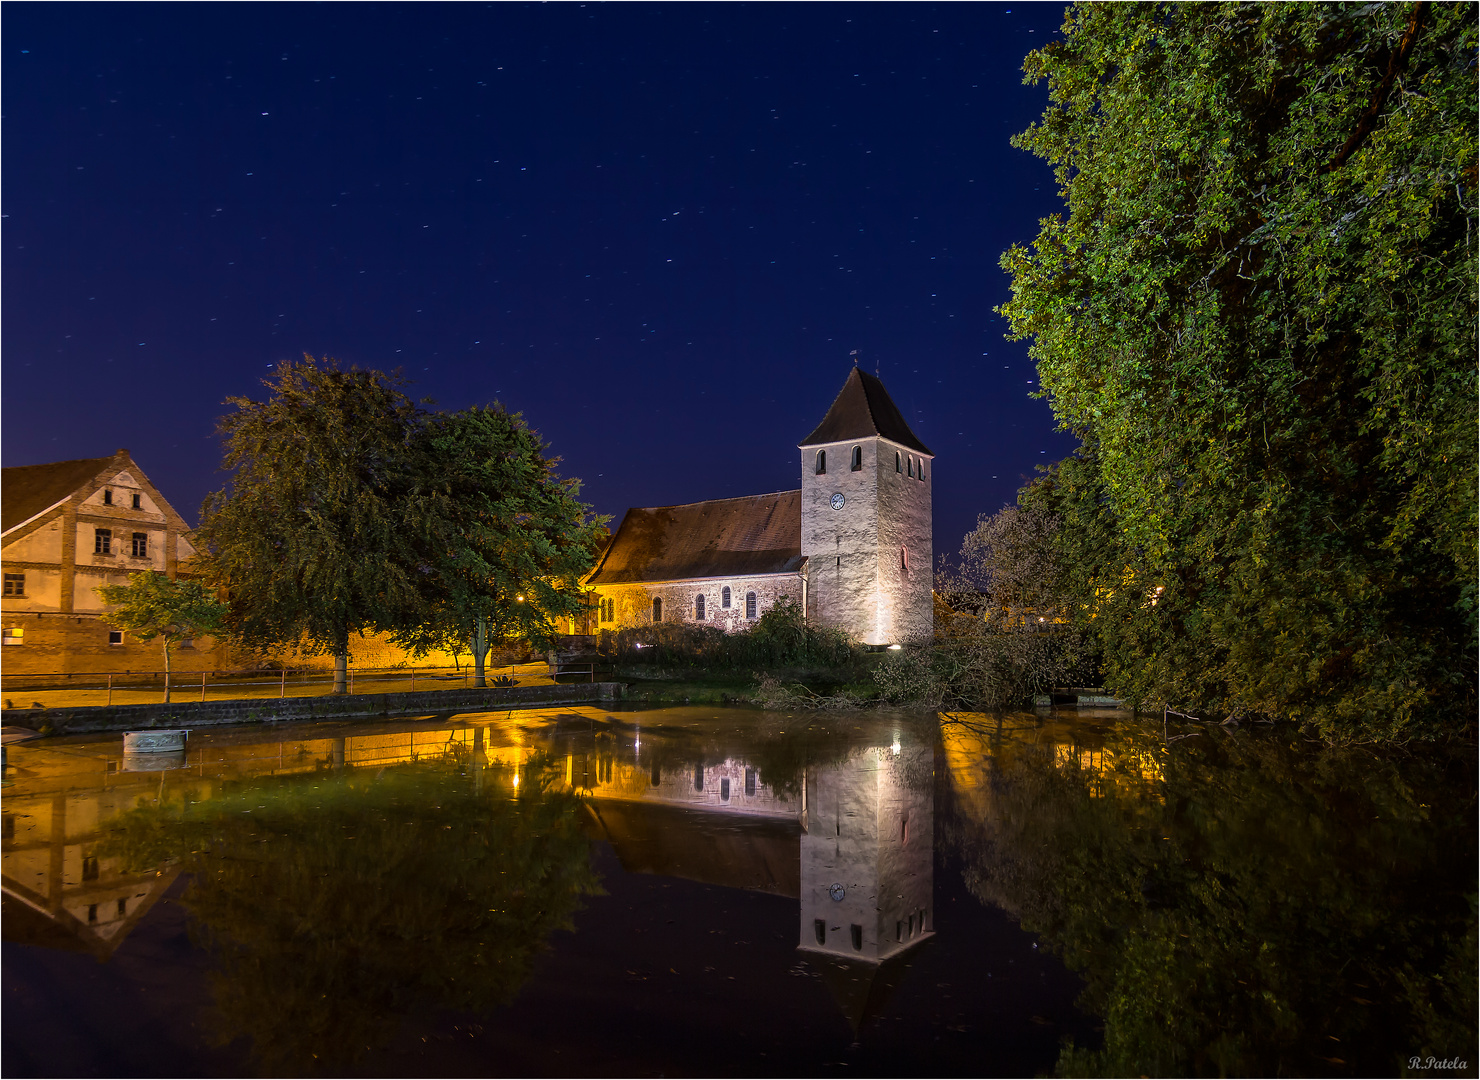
x=909 y=468
x=821 y=462
x=857 y=463
x=699 y=607
x=750 y=605
x=724 y=597
x=897 y=467
x=904 y=562
x=921 y=473
x=657 y=609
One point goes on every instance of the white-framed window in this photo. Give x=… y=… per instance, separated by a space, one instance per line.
x=115 y=637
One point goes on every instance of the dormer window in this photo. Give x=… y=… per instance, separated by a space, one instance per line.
x=107 y=497
x=856 y=465
x=821 y=462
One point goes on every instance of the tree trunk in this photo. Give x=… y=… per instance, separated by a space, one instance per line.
x=166 y=671
x=341 y=661
x=480 y=652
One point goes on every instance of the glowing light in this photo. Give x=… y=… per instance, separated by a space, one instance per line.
x=520 y=599
x=516 y=779
x=895 y=648
x=894 y=746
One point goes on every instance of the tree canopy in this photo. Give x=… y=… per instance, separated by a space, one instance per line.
x=507 y=540
x=317 y=536
x=153 y=605
x=1259 y=315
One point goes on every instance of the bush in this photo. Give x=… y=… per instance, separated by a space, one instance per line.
x=781 y=638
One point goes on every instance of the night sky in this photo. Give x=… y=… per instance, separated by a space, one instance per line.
x=659 y=231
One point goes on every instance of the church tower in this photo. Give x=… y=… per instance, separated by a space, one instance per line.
x=866 y=519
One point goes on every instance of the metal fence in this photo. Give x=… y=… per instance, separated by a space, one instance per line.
x=260 y=682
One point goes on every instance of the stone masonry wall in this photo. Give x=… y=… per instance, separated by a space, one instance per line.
x=634 y=603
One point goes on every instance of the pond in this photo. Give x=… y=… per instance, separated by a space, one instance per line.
x=698 y=891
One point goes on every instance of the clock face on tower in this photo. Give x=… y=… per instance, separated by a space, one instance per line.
x=838 y=500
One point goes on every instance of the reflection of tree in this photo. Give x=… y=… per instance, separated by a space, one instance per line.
x=336 y=903
x=1261 y=911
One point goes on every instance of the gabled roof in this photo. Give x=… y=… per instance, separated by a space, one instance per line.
x=862 y=409
x=29 y=490
x=26 y=490
x=755 y=534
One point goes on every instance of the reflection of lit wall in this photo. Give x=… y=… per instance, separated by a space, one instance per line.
x=870 y=830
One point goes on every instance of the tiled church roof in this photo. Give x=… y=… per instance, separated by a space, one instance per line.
x=26 y=490
x=756 y=534
x=863 y=409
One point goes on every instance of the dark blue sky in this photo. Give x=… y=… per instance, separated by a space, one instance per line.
x=658 y=231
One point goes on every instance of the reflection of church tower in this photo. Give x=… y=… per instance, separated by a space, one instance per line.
x=867 y=869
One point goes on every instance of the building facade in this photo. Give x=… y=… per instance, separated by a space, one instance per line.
x=69 y=527
x=852 y=547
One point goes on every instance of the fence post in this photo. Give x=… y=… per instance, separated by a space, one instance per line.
x=110 y=689
x=351 y=680
x=283 y=684
x=413 y=680
x=202 y=685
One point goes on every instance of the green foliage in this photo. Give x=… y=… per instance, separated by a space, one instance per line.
x=407 y=890
x=318 y=535
x=508 y=541
x=153 y=606
x=1260 y=317
x=780 y=638
x=1238 y=905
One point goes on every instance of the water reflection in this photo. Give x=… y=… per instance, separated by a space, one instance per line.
x=1236 y=902
x=1241 y=903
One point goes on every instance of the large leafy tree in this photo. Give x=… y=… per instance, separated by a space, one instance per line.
x=506 y=539
x=319 y=534
x=153 y=605
x=1259 y=315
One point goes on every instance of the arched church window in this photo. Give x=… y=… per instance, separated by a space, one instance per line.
x=750 y=605
x=821 y=462
x=724 y=597
x=857 y=463
x=657 y=609
x=896 y=462
x=699 y=607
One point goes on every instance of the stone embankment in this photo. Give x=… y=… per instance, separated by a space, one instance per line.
x=84 y=719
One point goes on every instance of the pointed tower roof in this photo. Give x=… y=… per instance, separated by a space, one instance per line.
x=863 y=408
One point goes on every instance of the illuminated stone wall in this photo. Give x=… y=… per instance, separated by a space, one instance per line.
x=857 y=582
x=634 y=603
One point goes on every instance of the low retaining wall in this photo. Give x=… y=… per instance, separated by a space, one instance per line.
x=257 y=710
